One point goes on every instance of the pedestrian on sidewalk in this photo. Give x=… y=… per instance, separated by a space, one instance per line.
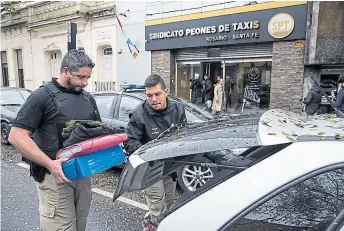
x=218 y=96
x=339 y=103
x=208 y=92
x=154 y=116
x=196 y=90
x=313 y=100
x=228 y=92
x=63 y=204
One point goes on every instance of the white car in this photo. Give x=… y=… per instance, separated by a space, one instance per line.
x=293 y=180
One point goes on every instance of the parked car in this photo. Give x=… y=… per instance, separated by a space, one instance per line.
x=292 y=179
x=12 y=99
x=115 y=107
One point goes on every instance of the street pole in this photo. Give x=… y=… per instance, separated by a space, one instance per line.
x=71 y=35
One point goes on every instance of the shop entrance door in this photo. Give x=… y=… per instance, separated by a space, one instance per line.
x=185 y=72
x=188 y=70
x=212 y=70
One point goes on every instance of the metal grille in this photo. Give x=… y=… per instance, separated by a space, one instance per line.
x=55 y=64
x=105 y=86
x=227 y=52
x=106 y=69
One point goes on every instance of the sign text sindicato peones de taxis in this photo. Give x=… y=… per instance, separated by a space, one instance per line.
x=241 y=28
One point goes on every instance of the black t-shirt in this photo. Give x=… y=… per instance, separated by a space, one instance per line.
x=39 y=113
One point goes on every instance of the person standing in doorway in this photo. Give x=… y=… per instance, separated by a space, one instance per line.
x=63 y=204
x=313 y=100
x=148 y=121
x=228 y=92
x=340 y=95
x=208 y=92
x=196 y=90
x=240 y=98
x=218 y=96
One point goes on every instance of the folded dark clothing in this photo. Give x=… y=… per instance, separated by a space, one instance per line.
x=80 y=130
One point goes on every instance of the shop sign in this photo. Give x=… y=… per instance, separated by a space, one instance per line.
x=71 y=35
x=270 y=25
x=299 y=44
x=328 y=83
x=241 y=28
x=251 y=91
x=281 y=25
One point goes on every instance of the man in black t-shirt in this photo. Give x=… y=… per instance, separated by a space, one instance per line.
x=63 y=204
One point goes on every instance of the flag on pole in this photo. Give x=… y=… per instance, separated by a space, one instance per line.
x=129 y=42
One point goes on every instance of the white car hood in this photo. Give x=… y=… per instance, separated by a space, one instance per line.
x=278 y=126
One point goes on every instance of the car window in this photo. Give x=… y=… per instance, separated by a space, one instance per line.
x=192 y=117
x=310 y=205
x=104 y=104
x=128 y=104
x=11 y=97
x=25 y=94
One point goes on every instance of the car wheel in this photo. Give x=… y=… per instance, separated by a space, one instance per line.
x=191 y=177
x=5 y=131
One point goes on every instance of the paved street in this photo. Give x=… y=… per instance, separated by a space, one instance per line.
x=19 y=202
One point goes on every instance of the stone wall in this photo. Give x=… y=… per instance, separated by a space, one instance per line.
x=162 y=65
x=330 y=35
x=287 y=76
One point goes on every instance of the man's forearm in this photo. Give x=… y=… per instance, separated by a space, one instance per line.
x=28 y=148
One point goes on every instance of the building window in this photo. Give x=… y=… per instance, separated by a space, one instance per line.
x=105 y=66
x=20 y=68
x=250 y=81
x=185 y=72
x=4 y=68
x=242 y=80
x=128 y=105
x=107 y=51
x=54 y=64
x=53 y=55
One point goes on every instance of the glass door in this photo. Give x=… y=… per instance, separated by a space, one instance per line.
x=185 y=72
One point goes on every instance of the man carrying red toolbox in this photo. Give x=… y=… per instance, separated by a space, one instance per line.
x=63 y=204
x=148 y=121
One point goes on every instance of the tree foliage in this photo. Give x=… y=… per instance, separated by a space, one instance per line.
x=9 y=6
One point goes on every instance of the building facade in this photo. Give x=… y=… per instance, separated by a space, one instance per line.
x=258 y=48
x=324 y=53
x=34 y=40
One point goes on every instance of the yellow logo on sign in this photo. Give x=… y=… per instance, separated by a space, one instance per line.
x=281 y=25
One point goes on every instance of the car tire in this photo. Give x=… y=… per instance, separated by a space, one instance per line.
x=204 y=173
x=5 y=131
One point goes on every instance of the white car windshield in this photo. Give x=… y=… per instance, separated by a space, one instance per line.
x=13 y=97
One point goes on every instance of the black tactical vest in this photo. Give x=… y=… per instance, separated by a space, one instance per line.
x=63 y=108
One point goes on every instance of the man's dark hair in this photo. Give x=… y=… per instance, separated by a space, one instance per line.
x=75 y=59
x=154 y=80
x=341 y=80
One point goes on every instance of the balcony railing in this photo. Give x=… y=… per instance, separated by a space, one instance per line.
x=99 y=85
x=104 y=86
